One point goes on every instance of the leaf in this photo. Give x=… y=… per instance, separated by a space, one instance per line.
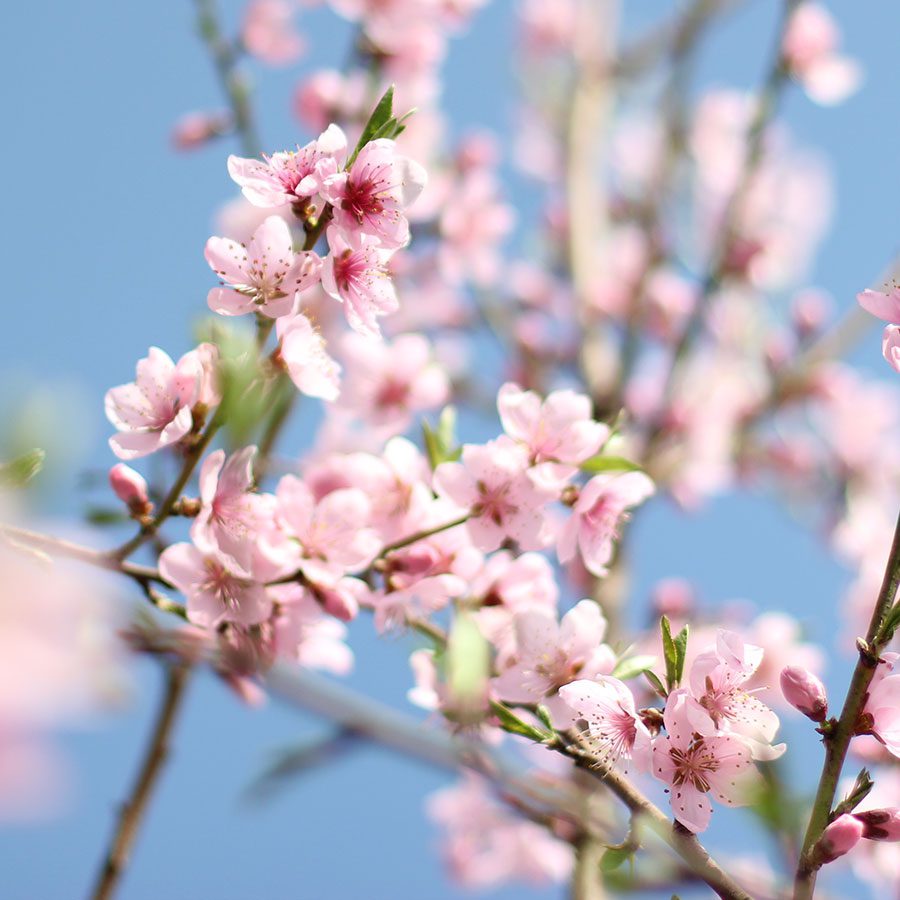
x=19 y=471
x=633 y=666
x=544 y=715
x=614 y=857
x=655 y=683
x=681 y=648
x=598 y=464
x=858 y=793
x=890 y=623
x=670 y=653
x=381 y=116
x=510 y=722
x=468 y=663
x=440 y=442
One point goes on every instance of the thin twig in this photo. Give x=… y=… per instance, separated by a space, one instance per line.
x=134 y=808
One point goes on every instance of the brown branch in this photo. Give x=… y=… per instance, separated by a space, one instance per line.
x=134 y=808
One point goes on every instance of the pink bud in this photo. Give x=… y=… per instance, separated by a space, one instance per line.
x=880 y=824
x=195 y=129
x=130 y=487
x=804 y=692
x=840 y=837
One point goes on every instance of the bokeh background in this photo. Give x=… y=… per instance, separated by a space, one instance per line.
x=104 y=231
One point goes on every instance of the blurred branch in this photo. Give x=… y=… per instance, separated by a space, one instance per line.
x=717 y=267
x=133 y=809
x=225 y=56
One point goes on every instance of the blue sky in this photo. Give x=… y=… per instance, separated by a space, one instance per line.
x=104 y=231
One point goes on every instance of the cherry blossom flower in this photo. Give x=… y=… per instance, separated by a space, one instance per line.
x=372 y=195
x=264 y=275
x=301 y=631
x=503 y=498
x=694 y=764
x=303 y=352
x=131 y=488
x=327 y=538
x=293 y=175
x=805 y=692
x=717 y=679
x=810 y=49
x=839 y=838
x=551 y=653
x=388 y=383
x=883 y=703
x=486 y=845
x=268 y=32
x=155 y=410
x=560 y=430
x=355 y=274
x=594 y=523
x=886 y=306
x=215 y=592
x=614 y=729
x=232 y=517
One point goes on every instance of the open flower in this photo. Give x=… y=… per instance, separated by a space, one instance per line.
x=886 y=306
x=293 y=175
x=154 y=411
x=614 y=729
x=493 y=482
x=355 y=274
x=264 y=275
x=594 y=524
x=371 y=197
x=695 y=765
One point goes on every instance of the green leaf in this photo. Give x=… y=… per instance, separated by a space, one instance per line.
x=510 y=722
x=633 y=666
x=440 y=442
x=598 y=464
x=670 y=653
x=544 y=716
x=381 y=116
x=681 y=640
x=103 y=515
x=19 y=471
x=613 y=858
x=858 y=793
x=890 y=623
x=468 y=664
x=655 y=683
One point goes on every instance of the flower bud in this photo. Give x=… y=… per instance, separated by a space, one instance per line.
x=880 y=824
x=805 y=692
x=840 y=837
x=131 y=488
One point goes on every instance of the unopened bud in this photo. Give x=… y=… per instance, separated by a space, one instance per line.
x=805 y=692
x=880 y=824
x=840 y=837
x=131 y=488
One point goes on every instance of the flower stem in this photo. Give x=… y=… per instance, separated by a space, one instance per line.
x=133 y=809
x=838 y=741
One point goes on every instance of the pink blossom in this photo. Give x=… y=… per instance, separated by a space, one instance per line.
x=805 y=692
x=372 y=196
x=327 y=538
x=504 y=500
x=550 y=654
x=560 y=430
x=810 y=49
x=232 y=517
x=355 y=274
x=886 y=306
x=389 y=383
x=131 y=488
x=195 y=129
x=328 y=95
x=293 y=175
x=883 y=703
x=614 y=729
x=304 y=633
x=303 y=352
x=880 y=824
x=215 y=591
x=839 y=838
x=486 y=845
x=695 y=764
x=268 y=32
x=597 y=515
x=155 y=410
x=717 y=678
x=264 y=275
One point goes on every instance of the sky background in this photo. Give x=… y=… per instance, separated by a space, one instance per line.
x=104 y=233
